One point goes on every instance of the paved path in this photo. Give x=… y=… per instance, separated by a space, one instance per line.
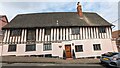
x=48 y=60
x=46 y=64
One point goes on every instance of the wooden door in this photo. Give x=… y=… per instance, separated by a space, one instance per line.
x=68 y=51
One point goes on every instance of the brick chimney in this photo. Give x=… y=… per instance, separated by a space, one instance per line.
x=79 y=10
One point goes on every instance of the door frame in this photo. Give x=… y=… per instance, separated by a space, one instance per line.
x=70 y=50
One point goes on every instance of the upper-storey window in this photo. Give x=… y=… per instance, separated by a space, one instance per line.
x=2 y=32
x=102 y=30
x=31 y=35
x=75 y=30
x=47 y=31
x=15 y=32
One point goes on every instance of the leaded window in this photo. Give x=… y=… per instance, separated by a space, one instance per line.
x=75 y=30
x=31 y=35
x=102 y=30
x=15 y=32
x=96 y=47
x=47 y=31
x=47 y=46
x=12 y=48
x=31 y=47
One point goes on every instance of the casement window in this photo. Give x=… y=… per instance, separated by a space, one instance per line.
x=75 y=30
x=96 y=47
x=31 y=47
x=79 y=48
x=47 y=46
x=31 y=35
x=12 y=48
x=15 y=32
x=102 y=30
x=47 y=31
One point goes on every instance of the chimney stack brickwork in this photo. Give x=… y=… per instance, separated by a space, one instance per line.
x=79 y=9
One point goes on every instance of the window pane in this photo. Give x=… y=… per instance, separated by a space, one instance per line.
x=47 y=31
x=96 y=47
x=76 y=48
x=30 y=47
x=47 y=46
x=12 y=47
x=102 y=30
x=79 y=48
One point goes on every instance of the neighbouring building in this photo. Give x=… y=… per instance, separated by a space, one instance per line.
x=58 y=34
x=116 y=37
x=3 y=22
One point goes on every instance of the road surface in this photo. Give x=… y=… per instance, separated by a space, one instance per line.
x=46 y=65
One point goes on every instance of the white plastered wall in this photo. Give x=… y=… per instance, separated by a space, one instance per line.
x=57 y=48
x=88 y=51
x=20 y=51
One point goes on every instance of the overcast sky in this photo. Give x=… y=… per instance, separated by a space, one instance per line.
x=108 y=9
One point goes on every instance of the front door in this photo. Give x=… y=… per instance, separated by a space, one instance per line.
x=68 y=51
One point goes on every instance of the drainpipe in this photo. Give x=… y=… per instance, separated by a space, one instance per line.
x=64 y=55
x=73 y=54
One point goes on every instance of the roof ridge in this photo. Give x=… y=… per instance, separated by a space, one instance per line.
x=52 y=13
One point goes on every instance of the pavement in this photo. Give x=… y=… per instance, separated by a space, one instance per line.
x=12 y=59
x=45 y=64
x=41 y=62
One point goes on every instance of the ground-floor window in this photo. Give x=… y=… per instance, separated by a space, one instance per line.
x=31 y=47
x=79 y=48
x=12 y=47
x=47 y=46
x=96 y=47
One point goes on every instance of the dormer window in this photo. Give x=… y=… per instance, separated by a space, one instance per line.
x=15 y=32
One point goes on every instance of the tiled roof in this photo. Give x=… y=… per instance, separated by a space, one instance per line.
x=56 y=19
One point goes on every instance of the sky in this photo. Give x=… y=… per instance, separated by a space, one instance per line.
x=108 y=9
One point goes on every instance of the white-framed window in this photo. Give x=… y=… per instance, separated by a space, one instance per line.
x=47 y=46
x=78 y=48
x=96 y=47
